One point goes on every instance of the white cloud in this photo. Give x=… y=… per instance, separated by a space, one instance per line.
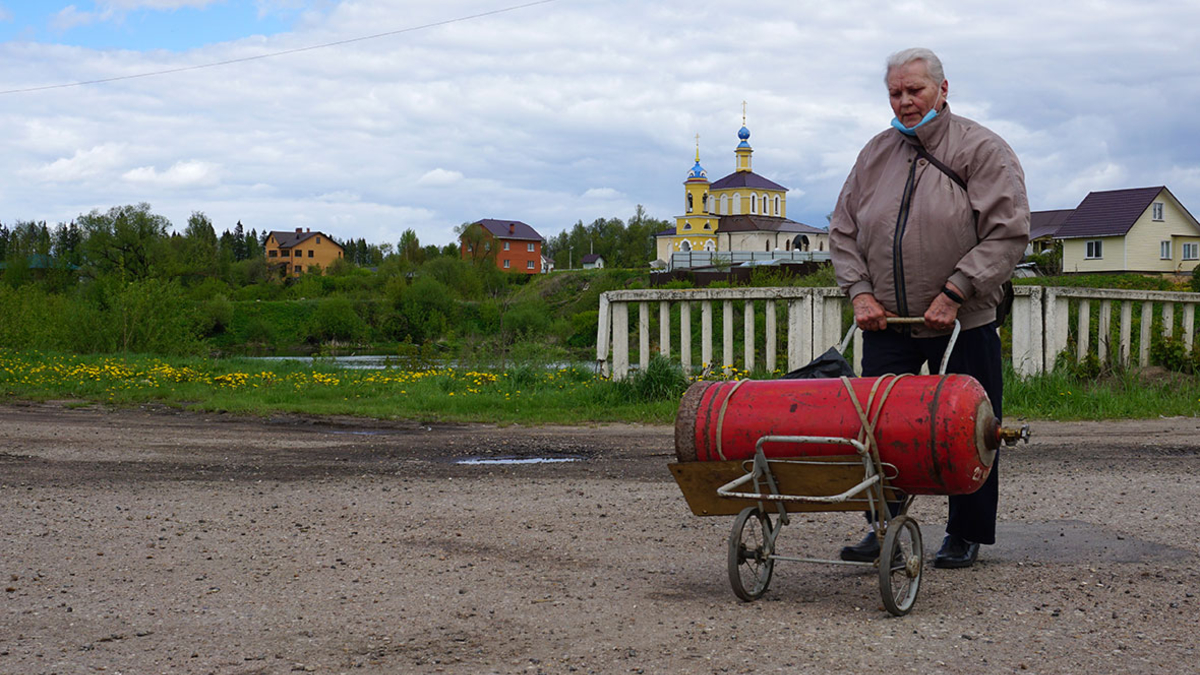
x=69 y=17
x=602 y=193
x=5 y=15
x=82 y=165
x=439 y=178
x=189 y=174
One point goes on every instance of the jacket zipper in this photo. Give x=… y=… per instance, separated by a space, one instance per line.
x=897 y=249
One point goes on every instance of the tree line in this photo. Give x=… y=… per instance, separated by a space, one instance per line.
x=125 y=280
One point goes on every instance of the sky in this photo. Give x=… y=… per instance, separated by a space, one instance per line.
x=364 y=118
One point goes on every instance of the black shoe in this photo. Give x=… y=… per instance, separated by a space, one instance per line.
x=866 y=550
x=956 y=553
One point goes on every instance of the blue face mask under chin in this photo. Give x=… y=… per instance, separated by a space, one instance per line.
x=912 y=131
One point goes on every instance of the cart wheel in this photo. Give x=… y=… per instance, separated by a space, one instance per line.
x=750 y=565
x=900 y=581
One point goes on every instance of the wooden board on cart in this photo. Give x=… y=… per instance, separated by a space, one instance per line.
x=817 y=476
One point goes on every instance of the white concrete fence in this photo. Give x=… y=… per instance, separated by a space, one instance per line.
x=1045 y=321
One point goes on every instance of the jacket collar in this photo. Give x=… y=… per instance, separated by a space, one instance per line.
x=931 y=134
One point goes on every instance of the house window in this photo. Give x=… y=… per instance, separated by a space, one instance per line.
x=298 y=269
x=529 y=265
x=1095 y=250
x=724 y=210
x=1191 y=251
x=764 y=207
x=767 y=243
x=506 y=246
x=777 y=211
x=707 y=226
x=1157 y=211
x=737 y=204
x=753 y=204
x=1164 y=250
x=272 y=254
x=310 y=253
x=529 y=247
x=506 y=264
x=689 y=203
x=318 y=239
x=687 y=225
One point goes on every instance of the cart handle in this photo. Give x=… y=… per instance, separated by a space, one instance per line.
x=909 y=320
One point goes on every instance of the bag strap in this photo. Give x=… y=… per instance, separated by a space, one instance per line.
x=924 y=154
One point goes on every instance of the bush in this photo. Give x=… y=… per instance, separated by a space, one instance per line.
x=1194 y=282
x=214 y=316
x=336 y=319
x=528 y=320
x=425 y=309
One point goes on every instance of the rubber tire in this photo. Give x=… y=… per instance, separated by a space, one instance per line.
x=899 y=599
x=756 y=561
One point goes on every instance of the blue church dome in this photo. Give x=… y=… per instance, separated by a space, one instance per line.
x=697 y=172
x=743 y=133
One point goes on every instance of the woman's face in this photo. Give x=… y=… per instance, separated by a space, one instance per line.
x=913 y=93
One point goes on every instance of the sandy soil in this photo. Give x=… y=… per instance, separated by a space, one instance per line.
x=153 y=541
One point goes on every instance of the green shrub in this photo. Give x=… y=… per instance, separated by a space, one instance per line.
x=335 y=319
x=1194 y=282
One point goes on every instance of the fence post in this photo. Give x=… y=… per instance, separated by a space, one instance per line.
x=748 y=340
x=1084 y=329
x=643 y=335
x=1144 y=333
x=1027 y=348
x=620 y=348
x=602 y=335
x=1105 y=334
x=771 y=327
x=685 y=336
x=664 y=328
x=1189 y=330
x=726 y=336
x=1126 y=331
x=1058 y=326
x=706 y=336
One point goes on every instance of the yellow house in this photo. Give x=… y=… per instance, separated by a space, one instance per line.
x=302 y=251
x=740 y=212
x=1142 y=230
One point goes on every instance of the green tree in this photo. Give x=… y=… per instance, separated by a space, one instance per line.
x=477 y=243
x=125 y=241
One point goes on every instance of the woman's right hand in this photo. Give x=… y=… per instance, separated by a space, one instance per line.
x=868 y=313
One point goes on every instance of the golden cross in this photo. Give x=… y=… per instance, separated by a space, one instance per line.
x=743 y=113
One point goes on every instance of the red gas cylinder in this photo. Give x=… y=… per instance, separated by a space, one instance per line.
x=938 y=431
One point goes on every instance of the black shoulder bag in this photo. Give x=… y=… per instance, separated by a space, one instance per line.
x=1006 y=303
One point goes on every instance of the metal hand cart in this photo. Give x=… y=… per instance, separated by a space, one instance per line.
x=754 y=488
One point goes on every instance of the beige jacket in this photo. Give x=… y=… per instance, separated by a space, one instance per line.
x=901 y=232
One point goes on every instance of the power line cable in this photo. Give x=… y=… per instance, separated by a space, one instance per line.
x=285 y=52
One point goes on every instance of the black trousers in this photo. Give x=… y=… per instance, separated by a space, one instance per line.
x=976 y=353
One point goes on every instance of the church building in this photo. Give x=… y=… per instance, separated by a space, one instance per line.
x=742 y=212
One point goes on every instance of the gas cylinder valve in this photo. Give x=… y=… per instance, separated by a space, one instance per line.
x=1011 y=436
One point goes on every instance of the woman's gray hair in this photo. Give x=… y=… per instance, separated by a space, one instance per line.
x=905 y=56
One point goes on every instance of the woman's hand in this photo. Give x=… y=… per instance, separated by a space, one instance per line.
x=868 y=313
x=943 y=311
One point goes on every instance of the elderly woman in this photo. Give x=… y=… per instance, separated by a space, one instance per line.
x=930 y=223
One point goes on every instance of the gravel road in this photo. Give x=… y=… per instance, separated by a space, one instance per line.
x=157 y=541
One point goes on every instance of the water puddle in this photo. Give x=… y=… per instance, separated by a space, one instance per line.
x=508 y=461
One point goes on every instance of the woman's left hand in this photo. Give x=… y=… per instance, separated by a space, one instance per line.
x=943 y=311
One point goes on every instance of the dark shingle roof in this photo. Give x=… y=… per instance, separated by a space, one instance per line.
x=1046 y=223
x=669 y=232
x=290 y=239
x=1108 y=214
x=509 y=229
x=749 y=223
x=590 y=258
x=746 y=179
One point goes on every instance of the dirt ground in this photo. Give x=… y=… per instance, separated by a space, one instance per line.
x=155 y=541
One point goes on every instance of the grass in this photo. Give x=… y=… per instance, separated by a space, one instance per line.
x=521 y=394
